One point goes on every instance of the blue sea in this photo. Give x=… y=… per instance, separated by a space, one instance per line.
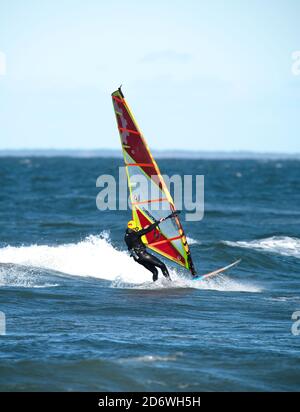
x=81 y=315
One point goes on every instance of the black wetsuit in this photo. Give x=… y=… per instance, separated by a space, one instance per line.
x=139 y=253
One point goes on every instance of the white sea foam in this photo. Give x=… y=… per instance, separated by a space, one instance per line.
x=223 y=283
x=192 y=241
x=15 y=276
x=152 y=358
x=220 y=283
x=283 y=245
x=95 y=256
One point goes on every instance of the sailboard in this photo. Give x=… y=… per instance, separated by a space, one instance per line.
x=216 y=272
x=151 y=201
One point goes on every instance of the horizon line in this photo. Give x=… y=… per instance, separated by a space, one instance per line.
x=161 y=153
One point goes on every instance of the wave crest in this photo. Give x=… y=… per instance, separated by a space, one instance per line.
x=95 y=256
x=283 y=245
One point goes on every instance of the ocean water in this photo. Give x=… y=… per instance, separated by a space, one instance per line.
x=82 y=315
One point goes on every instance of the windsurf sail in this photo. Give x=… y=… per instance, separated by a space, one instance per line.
x=152 y=201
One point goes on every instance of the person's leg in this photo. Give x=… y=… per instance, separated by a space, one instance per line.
x=153 y=260
x=152 y=269
x=147 y=265
x=165 y=271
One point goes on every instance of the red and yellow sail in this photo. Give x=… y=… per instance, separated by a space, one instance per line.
x=154 y=201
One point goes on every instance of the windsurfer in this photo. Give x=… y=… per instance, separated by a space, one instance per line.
x=137 y=249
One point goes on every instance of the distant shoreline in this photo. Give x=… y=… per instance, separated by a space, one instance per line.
x=162 y=154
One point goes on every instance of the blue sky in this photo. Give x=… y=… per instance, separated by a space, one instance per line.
x=203 y=75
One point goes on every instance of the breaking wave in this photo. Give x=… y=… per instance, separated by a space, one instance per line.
x=283 y=245
x=97 y=257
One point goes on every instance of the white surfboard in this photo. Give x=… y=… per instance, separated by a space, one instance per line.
x=216 y=272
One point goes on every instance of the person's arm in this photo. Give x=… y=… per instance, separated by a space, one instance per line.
x=148 y=229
